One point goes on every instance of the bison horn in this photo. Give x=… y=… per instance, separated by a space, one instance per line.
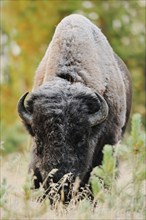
x=102 y=114
x=23 y=113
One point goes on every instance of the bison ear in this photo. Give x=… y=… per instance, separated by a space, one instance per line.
x=102 y=111
x=24 y=114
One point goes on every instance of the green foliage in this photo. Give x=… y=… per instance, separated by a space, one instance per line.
x=13 y=138
x=4 y=189
x=103 y=176
x=137 y=138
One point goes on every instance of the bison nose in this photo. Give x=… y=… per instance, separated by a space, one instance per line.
x=64 y=182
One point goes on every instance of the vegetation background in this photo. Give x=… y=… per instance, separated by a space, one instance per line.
x=27 y=27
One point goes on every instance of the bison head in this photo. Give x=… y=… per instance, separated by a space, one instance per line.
x=63 y=118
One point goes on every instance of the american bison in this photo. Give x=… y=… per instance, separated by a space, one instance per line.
x=81 y=100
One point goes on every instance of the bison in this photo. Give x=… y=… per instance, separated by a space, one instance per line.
x=81 y=100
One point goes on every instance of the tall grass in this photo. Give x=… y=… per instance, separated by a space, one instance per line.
x=119 y=189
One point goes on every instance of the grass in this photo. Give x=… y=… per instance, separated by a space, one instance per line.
x=119 y=193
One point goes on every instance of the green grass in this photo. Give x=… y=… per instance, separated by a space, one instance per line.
x=119 y=191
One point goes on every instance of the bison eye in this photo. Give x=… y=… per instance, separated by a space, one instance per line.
x=68 y=77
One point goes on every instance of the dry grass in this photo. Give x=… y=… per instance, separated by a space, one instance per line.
x=22 y=203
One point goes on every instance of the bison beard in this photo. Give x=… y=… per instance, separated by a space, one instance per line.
x=76 y=107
